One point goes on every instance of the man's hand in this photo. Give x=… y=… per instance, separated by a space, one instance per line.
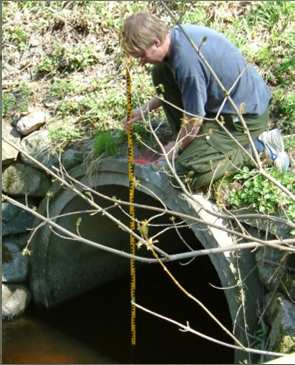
x=136 y=115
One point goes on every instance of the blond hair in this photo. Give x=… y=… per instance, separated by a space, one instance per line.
x=140 y=30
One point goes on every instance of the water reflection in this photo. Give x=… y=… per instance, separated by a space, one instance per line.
x=95 y=327
x=30 y=340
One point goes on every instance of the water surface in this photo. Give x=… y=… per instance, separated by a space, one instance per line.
x=94 y=328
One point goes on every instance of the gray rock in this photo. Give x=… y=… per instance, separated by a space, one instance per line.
x=20 y=179
x=15 y=266
x=8 y=152
x=31 y=122
x=15 y=220
x=71 y=158
x=268 y=261
x=263 y=226
x=276 y=270
x=38 y=145
x=15 y=300
x=20 y=240
x=87 y=147
x=281 y=317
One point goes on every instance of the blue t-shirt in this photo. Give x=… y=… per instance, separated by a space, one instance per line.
x=200 y=92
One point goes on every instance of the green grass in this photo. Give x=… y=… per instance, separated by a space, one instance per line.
x=8 y=103
x=60 y=88
x=100 y=108
x=103 y=105
x=271 y=13
x=88 y=34
x=290 y=142
x=64 y=135
x=65 y=60
x=16 y=99
x=18 y=37
x=284 y=106
x=255 y=191
x=108 y=142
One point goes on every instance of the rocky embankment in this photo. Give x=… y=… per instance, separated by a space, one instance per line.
x=27 y=183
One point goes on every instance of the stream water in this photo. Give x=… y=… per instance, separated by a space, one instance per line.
x=94 y=328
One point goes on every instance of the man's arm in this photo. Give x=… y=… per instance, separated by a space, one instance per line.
x=138 y=114
x=154 y=103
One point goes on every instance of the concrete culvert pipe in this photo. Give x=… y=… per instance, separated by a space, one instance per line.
x=62 y=269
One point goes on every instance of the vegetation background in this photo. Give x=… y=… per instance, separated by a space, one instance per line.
x=65 y=57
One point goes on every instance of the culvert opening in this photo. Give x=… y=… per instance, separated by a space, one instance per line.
x=94 y=327
x=99 y=320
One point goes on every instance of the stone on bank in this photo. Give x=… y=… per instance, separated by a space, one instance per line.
x=15 y=300
x=31 y=122
x=281 y=317
x=9 y=153
x=15 y=265
x=15 y=220
x=20 y=179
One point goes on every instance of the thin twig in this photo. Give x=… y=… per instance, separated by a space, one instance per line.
x=187 y=328
x=193 y=298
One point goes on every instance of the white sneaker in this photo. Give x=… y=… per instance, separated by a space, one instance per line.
x=274 y=148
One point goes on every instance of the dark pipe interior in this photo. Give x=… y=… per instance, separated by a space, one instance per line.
x=98 y=321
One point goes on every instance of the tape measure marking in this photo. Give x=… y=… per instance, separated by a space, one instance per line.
x=131 y=177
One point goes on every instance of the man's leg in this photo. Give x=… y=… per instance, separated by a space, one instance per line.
x=215 y=154
x=203 y=164
x=162 y=75
x=271 y=143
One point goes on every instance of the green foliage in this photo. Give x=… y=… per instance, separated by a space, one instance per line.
x=105 y=106
x=142 y=134
x=108 y=142
x=275 y=56
x=270 y=13
x=190 y=14
x=284 y=105
x=27 y=4
x=47 y=65
x=67 y=107
x=62 y=87
x=66 y=60
x=290 y=143
x=17 y=36
x=284 y=69
x=263 y=196
x=264 y=31
x=111 y=15
x=17 y=100
x=100 y=109
x=8 y=103
x=64 y=135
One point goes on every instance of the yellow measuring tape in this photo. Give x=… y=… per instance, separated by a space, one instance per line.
x=131 y=177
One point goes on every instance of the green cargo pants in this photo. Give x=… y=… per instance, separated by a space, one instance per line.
x=213 y=153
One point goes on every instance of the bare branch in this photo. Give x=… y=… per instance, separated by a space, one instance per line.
x=193 y=298
x=187 y=328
